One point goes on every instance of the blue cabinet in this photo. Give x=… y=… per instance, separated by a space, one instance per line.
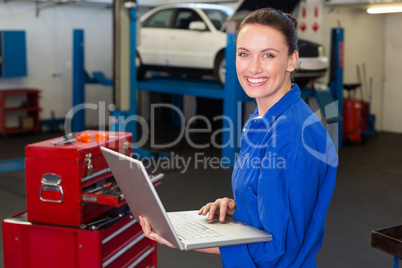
x=13 y=60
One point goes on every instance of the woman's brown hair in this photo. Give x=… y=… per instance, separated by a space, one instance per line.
x=283 y=22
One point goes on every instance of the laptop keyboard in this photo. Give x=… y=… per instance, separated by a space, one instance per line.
x=188 y=229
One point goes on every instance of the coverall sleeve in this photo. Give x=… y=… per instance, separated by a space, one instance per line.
x=286 y=196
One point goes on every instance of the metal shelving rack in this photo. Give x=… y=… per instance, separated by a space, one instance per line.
x=29 y=108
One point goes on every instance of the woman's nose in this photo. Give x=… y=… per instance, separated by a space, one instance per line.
x=255 y=66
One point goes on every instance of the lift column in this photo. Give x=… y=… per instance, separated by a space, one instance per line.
x=232 y=105
x=336 y=74
x=124 y=117
x=78 y=121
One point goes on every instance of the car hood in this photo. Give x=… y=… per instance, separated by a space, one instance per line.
x=244 y=7
x=308 y=49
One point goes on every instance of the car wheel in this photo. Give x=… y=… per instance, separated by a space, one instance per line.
x=301 y=81
x=140 y=69
x=220 y=68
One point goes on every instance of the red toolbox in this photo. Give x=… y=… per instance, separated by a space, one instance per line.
x=122 y=244
x=68 y=181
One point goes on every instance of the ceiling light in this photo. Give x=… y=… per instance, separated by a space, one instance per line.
x=382 y=10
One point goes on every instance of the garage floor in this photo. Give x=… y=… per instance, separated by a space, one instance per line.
x=367 y=197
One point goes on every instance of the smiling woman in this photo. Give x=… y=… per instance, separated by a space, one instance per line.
x=285 y=172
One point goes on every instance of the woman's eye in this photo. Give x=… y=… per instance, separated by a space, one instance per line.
x=268 y=56
x=243 y=54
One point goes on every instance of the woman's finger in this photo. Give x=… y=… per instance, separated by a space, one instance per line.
x=212 y=210
x=146 y=227
x=223 y=209
x=205 y=209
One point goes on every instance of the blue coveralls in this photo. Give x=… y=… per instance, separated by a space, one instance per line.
x=282 y=183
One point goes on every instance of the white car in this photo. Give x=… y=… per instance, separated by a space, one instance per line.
x=183 y=38
x=190 y=39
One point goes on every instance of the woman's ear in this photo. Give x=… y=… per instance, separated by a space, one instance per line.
x=293 y=61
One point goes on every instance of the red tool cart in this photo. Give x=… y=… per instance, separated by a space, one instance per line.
x=76 y=215
x=352 y=115
x=28 y=245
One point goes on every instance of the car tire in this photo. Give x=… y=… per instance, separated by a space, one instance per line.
x=220 y=68
x=301 y=81
x=140 y=69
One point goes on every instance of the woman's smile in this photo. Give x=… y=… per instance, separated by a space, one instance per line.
x=256 y=81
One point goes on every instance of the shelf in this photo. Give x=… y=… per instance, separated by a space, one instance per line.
x=18 y=91
x=22 y=109
x=19 y=130
x=28 y=107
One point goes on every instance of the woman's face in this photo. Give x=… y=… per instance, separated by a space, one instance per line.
x=263 y=64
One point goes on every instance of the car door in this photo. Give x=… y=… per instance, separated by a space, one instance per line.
x=189 y=48
x=153 y=35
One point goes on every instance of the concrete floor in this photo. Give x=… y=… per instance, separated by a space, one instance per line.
x=367 y=197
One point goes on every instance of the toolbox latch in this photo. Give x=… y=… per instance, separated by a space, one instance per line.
x=88 y=163
x=125 y=148
x=51 y=183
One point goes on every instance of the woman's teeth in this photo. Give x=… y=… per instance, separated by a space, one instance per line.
x=257 y=80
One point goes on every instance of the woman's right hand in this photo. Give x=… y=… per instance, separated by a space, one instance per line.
x=222 y=206
x=146 y=228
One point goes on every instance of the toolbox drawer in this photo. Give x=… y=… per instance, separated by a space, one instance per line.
x=107 y=192
x=122 y=244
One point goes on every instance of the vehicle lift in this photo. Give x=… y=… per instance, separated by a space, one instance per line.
x=329 y=98
x=231 y=93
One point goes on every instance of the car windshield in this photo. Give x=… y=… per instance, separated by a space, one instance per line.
x=217 y=17
x=160 y=19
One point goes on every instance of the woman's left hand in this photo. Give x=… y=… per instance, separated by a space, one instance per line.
x=222 y=207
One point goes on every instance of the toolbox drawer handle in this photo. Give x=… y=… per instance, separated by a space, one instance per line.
x=123 y=250
x=51 y=182
x=142 y=257
x=95 y=174
x=119 y=231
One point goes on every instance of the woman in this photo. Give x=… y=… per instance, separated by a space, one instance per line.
x=284 y=176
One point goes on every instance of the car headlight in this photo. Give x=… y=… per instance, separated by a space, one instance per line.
x=321 y=51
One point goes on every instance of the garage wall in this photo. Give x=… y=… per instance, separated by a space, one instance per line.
x=49 y=52
x=392 y=78
x=373 y=40
x=364 y=43
x=369 y=39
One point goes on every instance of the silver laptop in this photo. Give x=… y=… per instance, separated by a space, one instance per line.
x=185 y=229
